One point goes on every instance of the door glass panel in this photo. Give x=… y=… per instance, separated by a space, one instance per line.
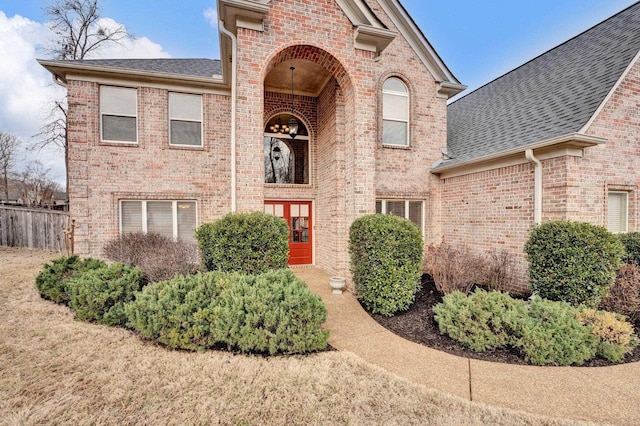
x=268 y=209
x=295 y=210
x=279 y=210
x=304 y=210
x=295 y=223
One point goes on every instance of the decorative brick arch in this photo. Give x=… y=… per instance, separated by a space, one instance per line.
x=312 y=54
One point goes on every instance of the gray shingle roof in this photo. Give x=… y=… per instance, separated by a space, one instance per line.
x=552 y=95
x=186 y=67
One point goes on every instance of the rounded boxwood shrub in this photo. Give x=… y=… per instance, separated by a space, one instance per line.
x=100 y=294
x=386 y=256
x=631 y=243
x=552 y=335
x=250 y=243
x=270 y=313
x=573 y=262
x=178 y=313
x=482 y=321
x=52 y=280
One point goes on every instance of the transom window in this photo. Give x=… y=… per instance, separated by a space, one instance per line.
x=185 y=119
x=409 y=209
x=118 y=114
x=395 y=112
x=286 y=160
x=174 y=219
x=617 y=211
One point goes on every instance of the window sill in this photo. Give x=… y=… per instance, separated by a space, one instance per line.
x=404 y=147
x=187 y=147
x=123 y=144
x=287 y=185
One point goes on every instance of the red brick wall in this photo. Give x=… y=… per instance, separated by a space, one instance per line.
x=349 y=166
x=102 y=174
x=494 y=209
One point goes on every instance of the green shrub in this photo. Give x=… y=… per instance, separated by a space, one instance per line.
x=482 y=321
x=100 y=294
x=270 y=313
x=52 y=281
x=386 y=257
x=178 y=313
x=552 y=335
x=573 y=262
x=159 y=257
x=631 y=243
x=250 y=243
x=615 y=335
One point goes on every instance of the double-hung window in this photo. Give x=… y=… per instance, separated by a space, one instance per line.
x=395 y=112
x=185 y=119
x=118 y=114
x=174 y=219
x=617 y=211
x=409 y=209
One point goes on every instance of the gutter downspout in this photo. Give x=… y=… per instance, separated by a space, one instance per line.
x=234 y=78
x=537 y=190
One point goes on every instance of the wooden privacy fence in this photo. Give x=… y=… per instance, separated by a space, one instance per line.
x=32 y=228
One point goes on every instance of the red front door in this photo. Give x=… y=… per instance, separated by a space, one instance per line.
x=298 y=217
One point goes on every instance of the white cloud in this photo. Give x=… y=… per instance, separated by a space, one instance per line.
x=212 y=16
x=27 y=90
x=139 y=47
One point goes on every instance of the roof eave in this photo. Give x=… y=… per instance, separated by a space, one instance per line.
x=574 y=140
x=419 y=43
x=61 y=70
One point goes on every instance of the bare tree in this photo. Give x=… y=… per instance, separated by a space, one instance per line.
x=78 y=30
x=8 y=148
x=37 y=189
x=79 y=33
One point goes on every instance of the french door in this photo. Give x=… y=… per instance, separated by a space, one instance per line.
x=298 y=217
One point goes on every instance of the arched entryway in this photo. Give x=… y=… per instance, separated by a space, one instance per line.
x=307 y=174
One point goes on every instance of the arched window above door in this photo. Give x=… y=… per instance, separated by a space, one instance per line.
x=286 y=160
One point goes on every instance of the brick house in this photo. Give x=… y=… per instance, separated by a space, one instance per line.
x=165 y=145
x=556 y=138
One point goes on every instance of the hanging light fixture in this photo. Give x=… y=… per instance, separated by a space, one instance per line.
x=293 y=123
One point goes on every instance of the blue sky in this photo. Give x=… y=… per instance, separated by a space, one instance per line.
x=478 y=40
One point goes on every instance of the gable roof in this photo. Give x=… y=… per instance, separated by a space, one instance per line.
x=551 y=96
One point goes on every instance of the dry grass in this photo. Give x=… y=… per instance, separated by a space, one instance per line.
x=56 y=370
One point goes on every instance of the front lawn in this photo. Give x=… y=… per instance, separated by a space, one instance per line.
x=57 y=370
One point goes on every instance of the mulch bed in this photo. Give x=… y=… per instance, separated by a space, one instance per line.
x=417 y=325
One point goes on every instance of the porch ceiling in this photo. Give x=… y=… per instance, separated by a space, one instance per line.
x=309 y=78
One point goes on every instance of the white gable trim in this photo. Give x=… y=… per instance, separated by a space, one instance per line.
x=419 y=43
x=604 y=103
x=358 y=13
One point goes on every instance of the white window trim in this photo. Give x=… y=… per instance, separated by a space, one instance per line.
x=406 y=209
x=201 y=121
x=626 y=216
x=174 y=212
x=102 y=139
x=408 y=111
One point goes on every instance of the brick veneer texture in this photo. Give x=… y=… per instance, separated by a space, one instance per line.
x=349 y=166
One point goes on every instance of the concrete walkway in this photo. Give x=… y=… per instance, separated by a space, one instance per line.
x=598 y=394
